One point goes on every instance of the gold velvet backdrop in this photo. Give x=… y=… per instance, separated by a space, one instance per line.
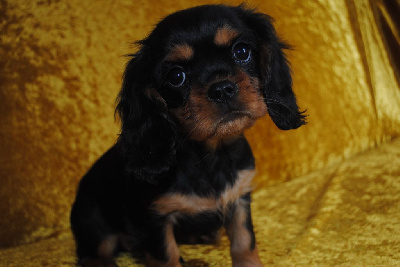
x=61 y=64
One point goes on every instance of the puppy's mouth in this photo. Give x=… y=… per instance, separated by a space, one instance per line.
x=232 y=124
x=232 y=116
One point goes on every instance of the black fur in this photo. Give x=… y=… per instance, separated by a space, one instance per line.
x=275 y=71
x=155 y=156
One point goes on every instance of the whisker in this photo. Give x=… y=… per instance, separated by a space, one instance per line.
x=274 y=110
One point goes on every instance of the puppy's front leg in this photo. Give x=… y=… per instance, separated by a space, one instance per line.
x=163 y=250
x=241 y=235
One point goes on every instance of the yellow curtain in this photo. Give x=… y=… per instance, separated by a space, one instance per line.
x=61 y=64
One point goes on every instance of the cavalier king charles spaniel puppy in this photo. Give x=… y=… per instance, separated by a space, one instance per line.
x=182 y=168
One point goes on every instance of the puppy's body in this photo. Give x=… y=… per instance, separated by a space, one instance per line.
x=194 y=196
x=181 y=168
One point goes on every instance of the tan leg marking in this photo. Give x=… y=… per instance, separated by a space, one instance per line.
x=172 y=251
x=107 y=247
x=240 y=237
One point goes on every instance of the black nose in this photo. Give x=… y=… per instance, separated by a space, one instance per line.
x=222 y=91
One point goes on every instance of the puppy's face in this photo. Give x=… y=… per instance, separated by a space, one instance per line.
x=207 y=72
x=209 y=77
x=211 y=86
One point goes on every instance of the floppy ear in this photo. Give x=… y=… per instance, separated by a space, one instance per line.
x=275 y=73
x=148 y=134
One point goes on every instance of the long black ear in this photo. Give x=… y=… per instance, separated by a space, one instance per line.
x=148 y=134
x=275 y=72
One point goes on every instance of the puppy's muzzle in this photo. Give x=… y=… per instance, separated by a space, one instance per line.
x=222 y=91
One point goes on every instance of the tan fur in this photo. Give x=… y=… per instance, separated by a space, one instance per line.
x=192 y=204
x=225 y=35
x=239 y=235
x=250 y=94
x=180 y=52
x=107 y=247
x=152 y=94
x=172 y=251
x=172 y=247
x=248 y=258
x=186 y=204
x=199 y=115
x=242 y=186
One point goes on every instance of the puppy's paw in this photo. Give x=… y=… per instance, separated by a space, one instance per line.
x=247 y=260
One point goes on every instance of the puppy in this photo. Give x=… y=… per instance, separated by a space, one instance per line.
x=181 y=168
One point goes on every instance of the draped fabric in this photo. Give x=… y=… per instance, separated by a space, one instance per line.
x=327 y=193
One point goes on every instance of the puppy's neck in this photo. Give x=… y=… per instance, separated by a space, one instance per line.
x=215 y=143
x=209 y=145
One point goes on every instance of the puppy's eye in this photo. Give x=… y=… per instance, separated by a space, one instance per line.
x=176 y=77
x=241 y=52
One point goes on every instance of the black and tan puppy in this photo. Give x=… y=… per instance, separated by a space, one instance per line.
x=181 y=168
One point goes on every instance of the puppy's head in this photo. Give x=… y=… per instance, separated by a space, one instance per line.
x=207 y=72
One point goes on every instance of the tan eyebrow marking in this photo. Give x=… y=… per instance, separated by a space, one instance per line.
x=180 y=52
x=225 y=35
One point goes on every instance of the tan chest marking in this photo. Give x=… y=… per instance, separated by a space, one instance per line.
x=192 y=204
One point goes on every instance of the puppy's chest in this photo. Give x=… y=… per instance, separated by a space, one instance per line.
x=192 y=204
